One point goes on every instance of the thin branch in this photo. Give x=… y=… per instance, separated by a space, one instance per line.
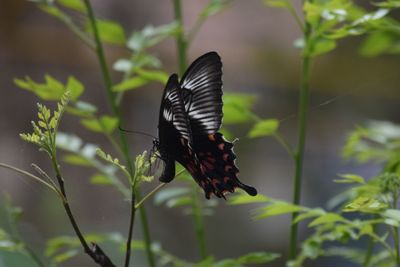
x=152 y=192
x=4 y=165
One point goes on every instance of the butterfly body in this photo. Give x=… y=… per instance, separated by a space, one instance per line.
x=189 y=120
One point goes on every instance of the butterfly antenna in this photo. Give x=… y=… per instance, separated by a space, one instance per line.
x=136 y=132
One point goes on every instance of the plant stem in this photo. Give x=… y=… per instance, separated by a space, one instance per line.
x=302 y=125
x=130 y=231
x=146 y=233
x=199 y=224
x=96 y=253
x=181 y=44
x=152 y=192
x=123 y=142
x=4 y=165
x=180 y=37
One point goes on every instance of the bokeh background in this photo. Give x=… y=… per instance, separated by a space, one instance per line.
x=256 y=46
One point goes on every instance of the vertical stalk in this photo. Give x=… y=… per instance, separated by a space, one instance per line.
x=302 y=126
x=146 y=233
x=199 y=224
x=123 y=142
x=181 y=44
x=180 y=38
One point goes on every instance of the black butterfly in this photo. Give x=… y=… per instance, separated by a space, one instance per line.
x=190 y=117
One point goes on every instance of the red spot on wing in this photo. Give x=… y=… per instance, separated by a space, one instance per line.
x=225 y=156
x=221 y=146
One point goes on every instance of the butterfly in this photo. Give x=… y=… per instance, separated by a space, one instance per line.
x=189 y=120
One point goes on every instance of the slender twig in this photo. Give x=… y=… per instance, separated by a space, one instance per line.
x=302 y=126
x=124 y=145
x=96 y=253
x=4 y=165
x=130 y=231
x=152 y=192
x=155 y=190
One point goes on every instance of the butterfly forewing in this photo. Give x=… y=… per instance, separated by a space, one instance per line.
x=172 y=110
x=202 y=94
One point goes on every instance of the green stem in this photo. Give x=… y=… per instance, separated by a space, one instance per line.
x=181 y=44
x=199 y=224
x=180 y=37
x=146 y=233
x=370 y=248
x=123 y=142
x=302 y=125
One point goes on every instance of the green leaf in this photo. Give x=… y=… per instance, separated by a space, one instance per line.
x=264 y=128
x=109 y=31
x=100 y=179
x=392 y=217
x=327 y=218
x=214 y=7
x=309 y=214
x=322 y=46
x=377 y=43
x=349 y=179
x=151 y=36
x=75 y=87
x=131 y=83
x=114 y=161
x=244 y=198
x=276 y=208
x=81 y=109
x=237 y=107
x=365 y=204
x=76 y=5
x=170 y=193
x=105 y=124
x=153 y=75
x=77 y=160
x=258 y=257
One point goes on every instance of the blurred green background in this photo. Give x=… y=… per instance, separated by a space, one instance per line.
x=256 y=46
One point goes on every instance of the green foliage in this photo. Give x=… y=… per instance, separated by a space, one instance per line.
x=264 y=128
x=52 y=89
x=45 y=130
x=237 y=107
x=109 y=31
x=76 y=5
x=105 y=124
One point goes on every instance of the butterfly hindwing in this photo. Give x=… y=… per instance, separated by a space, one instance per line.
x=217 y=161
x=202 y=94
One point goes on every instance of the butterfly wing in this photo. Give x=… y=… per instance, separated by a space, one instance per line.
x=217 y=160
x=173 y=128
x=202 y=94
